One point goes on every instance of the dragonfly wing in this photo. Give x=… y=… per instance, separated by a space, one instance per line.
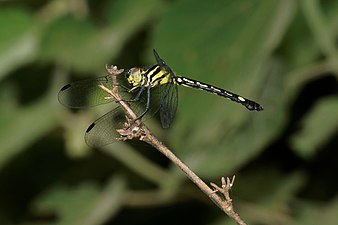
x=169 y=95
x=86 y=93
x=168 y=107
x=103 y=131
x=162 y=64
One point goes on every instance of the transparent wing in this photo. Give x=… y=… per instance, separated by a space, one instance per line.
x=162 y=64
x=103 y=131
x=168 y=95
x=87 y=93
x=168 y=107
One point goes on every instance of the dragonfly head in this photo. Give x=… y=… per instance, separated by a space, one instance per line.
x=134 y=76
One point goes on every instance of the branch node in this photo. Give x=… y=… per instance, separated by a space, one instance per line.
x=113 y=70
x=131 y=129
x=224 y=190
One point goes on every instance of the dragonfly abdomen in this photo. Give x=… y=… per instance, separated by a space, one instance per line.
x=187 y=82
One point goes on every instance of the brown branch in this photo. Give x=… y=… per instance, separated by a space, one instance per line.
x=136 y=129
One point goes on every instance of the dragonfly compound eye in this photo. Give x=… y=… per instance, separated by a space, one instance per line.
x=127 y=74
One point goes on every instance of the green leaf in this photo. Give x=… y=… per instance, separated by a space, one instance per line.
x=311 y=213
x=18 y=39
x=69 y=204
x=131 y=14
x=72 y=43
x=82 y=46
x=317 y=128
x=298 y=47
x=84 y=204
x=126 y=18
x=330 y=9
x=22 y=126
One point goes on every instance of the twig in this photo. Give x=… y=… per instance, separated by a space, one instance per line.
x=136 y=129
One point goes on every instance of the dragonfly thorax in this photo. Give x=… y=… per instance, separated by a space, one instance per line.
x=135 y=77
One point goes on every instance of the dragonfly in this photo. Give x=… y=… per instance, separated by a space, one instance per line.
x=146 y=90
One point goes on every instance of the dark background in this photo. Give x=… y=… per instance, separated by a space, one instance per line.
x=280 y=53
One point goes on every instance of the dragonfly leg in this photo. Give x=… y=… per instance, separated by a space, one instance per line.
x=147 y=105
x=137 y=96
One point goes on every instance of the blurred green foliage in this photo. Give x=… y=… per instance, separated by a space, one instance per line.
x=280 y=53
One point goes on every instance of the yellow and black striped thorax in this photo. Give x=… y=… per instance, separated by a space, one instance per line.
x=139 y=77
